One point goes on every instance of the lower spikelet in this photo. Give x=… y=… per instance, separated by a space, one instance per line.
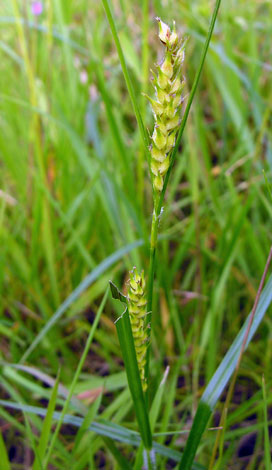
x=137 y=311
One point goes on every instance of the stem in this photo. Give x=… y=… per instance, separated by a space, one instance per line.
x=151 y=273
x=149 y=460
x=159 y=198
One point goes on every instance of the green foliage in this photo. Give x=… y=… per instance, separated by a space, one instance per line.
x=45 y=434
x=4 y=456
x=75 y=211
x=129 y=351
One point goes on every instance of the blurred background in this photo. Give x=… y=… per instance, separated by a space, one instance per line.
x=76 y=206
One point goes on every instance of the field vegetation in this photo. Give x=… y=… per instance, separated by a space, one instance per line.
x=76 y=211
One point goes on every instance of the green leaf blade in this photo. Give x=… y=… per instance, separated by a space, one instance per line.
x=225 y=370
x=47 y=424
x=199 y=425
x=129 y=355
x=116 y=293
x=221 y=378
x=4 y=465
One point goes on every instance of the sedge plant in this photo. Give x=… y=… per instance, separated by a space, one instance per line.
x=133 y=331
x=46 y=269
x=134 y=326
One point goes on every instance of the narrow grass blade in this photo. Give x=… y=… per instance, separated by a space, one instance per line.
x=156 y=404
x=4 y=464
x=126 y=73
x=11 y=53
x=116 y=135
x=223 y=373
x=267 y=452
x=31 y=438
x=221 y=378
x=134 y=382
x=47 y=424
x=88 y=419
x=76 y=376
x=103 y=428
x=200 y=422
x=120 y=459
x=153 y=416
x=87 y=281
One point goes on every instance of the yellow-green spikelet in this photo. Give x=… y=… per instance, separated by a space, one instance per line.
x=137 y=311
x=169 y=85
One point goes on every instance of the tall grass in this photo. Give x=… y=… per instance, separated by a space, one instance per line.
x=76 y=209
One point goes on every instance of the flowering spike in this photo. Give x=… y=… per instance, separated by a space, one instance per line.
x=166 y=107
x=137 y=311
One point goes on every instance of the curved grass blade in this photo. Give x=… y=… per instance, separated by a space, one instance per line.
x=221 y=378
x=45 y=434
x=136 y=109
x=125 y=72
x=11 y=20
x=153 y=414
x=227 y=366
x=76 y=375
x=88 y=419
x=87 y=281
x=103 y=428
x=267 y=451
x=4 y=455
x=157 y=401
x=120 y=459
x=134 y=382
x=10 y=52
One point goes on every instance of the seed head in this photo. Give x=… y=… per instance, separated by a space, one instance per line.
x=137 y=311
x=169 y=85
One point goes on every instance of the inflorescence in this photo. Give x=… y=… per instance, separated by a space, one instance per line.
x=137 y=311
x=169 y=85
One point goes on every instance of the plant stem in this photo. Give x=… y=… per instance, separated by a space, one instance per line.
x=149 y=460
x=151 y=272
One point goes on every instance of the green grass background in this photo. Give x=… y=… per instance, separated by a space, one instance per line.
x=75 y=211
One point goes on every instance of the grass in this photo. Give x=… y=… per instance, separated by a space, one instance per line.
x=76 y=209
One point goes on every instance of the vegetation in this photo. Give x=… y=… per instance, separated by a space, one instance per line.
x=76 y=204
